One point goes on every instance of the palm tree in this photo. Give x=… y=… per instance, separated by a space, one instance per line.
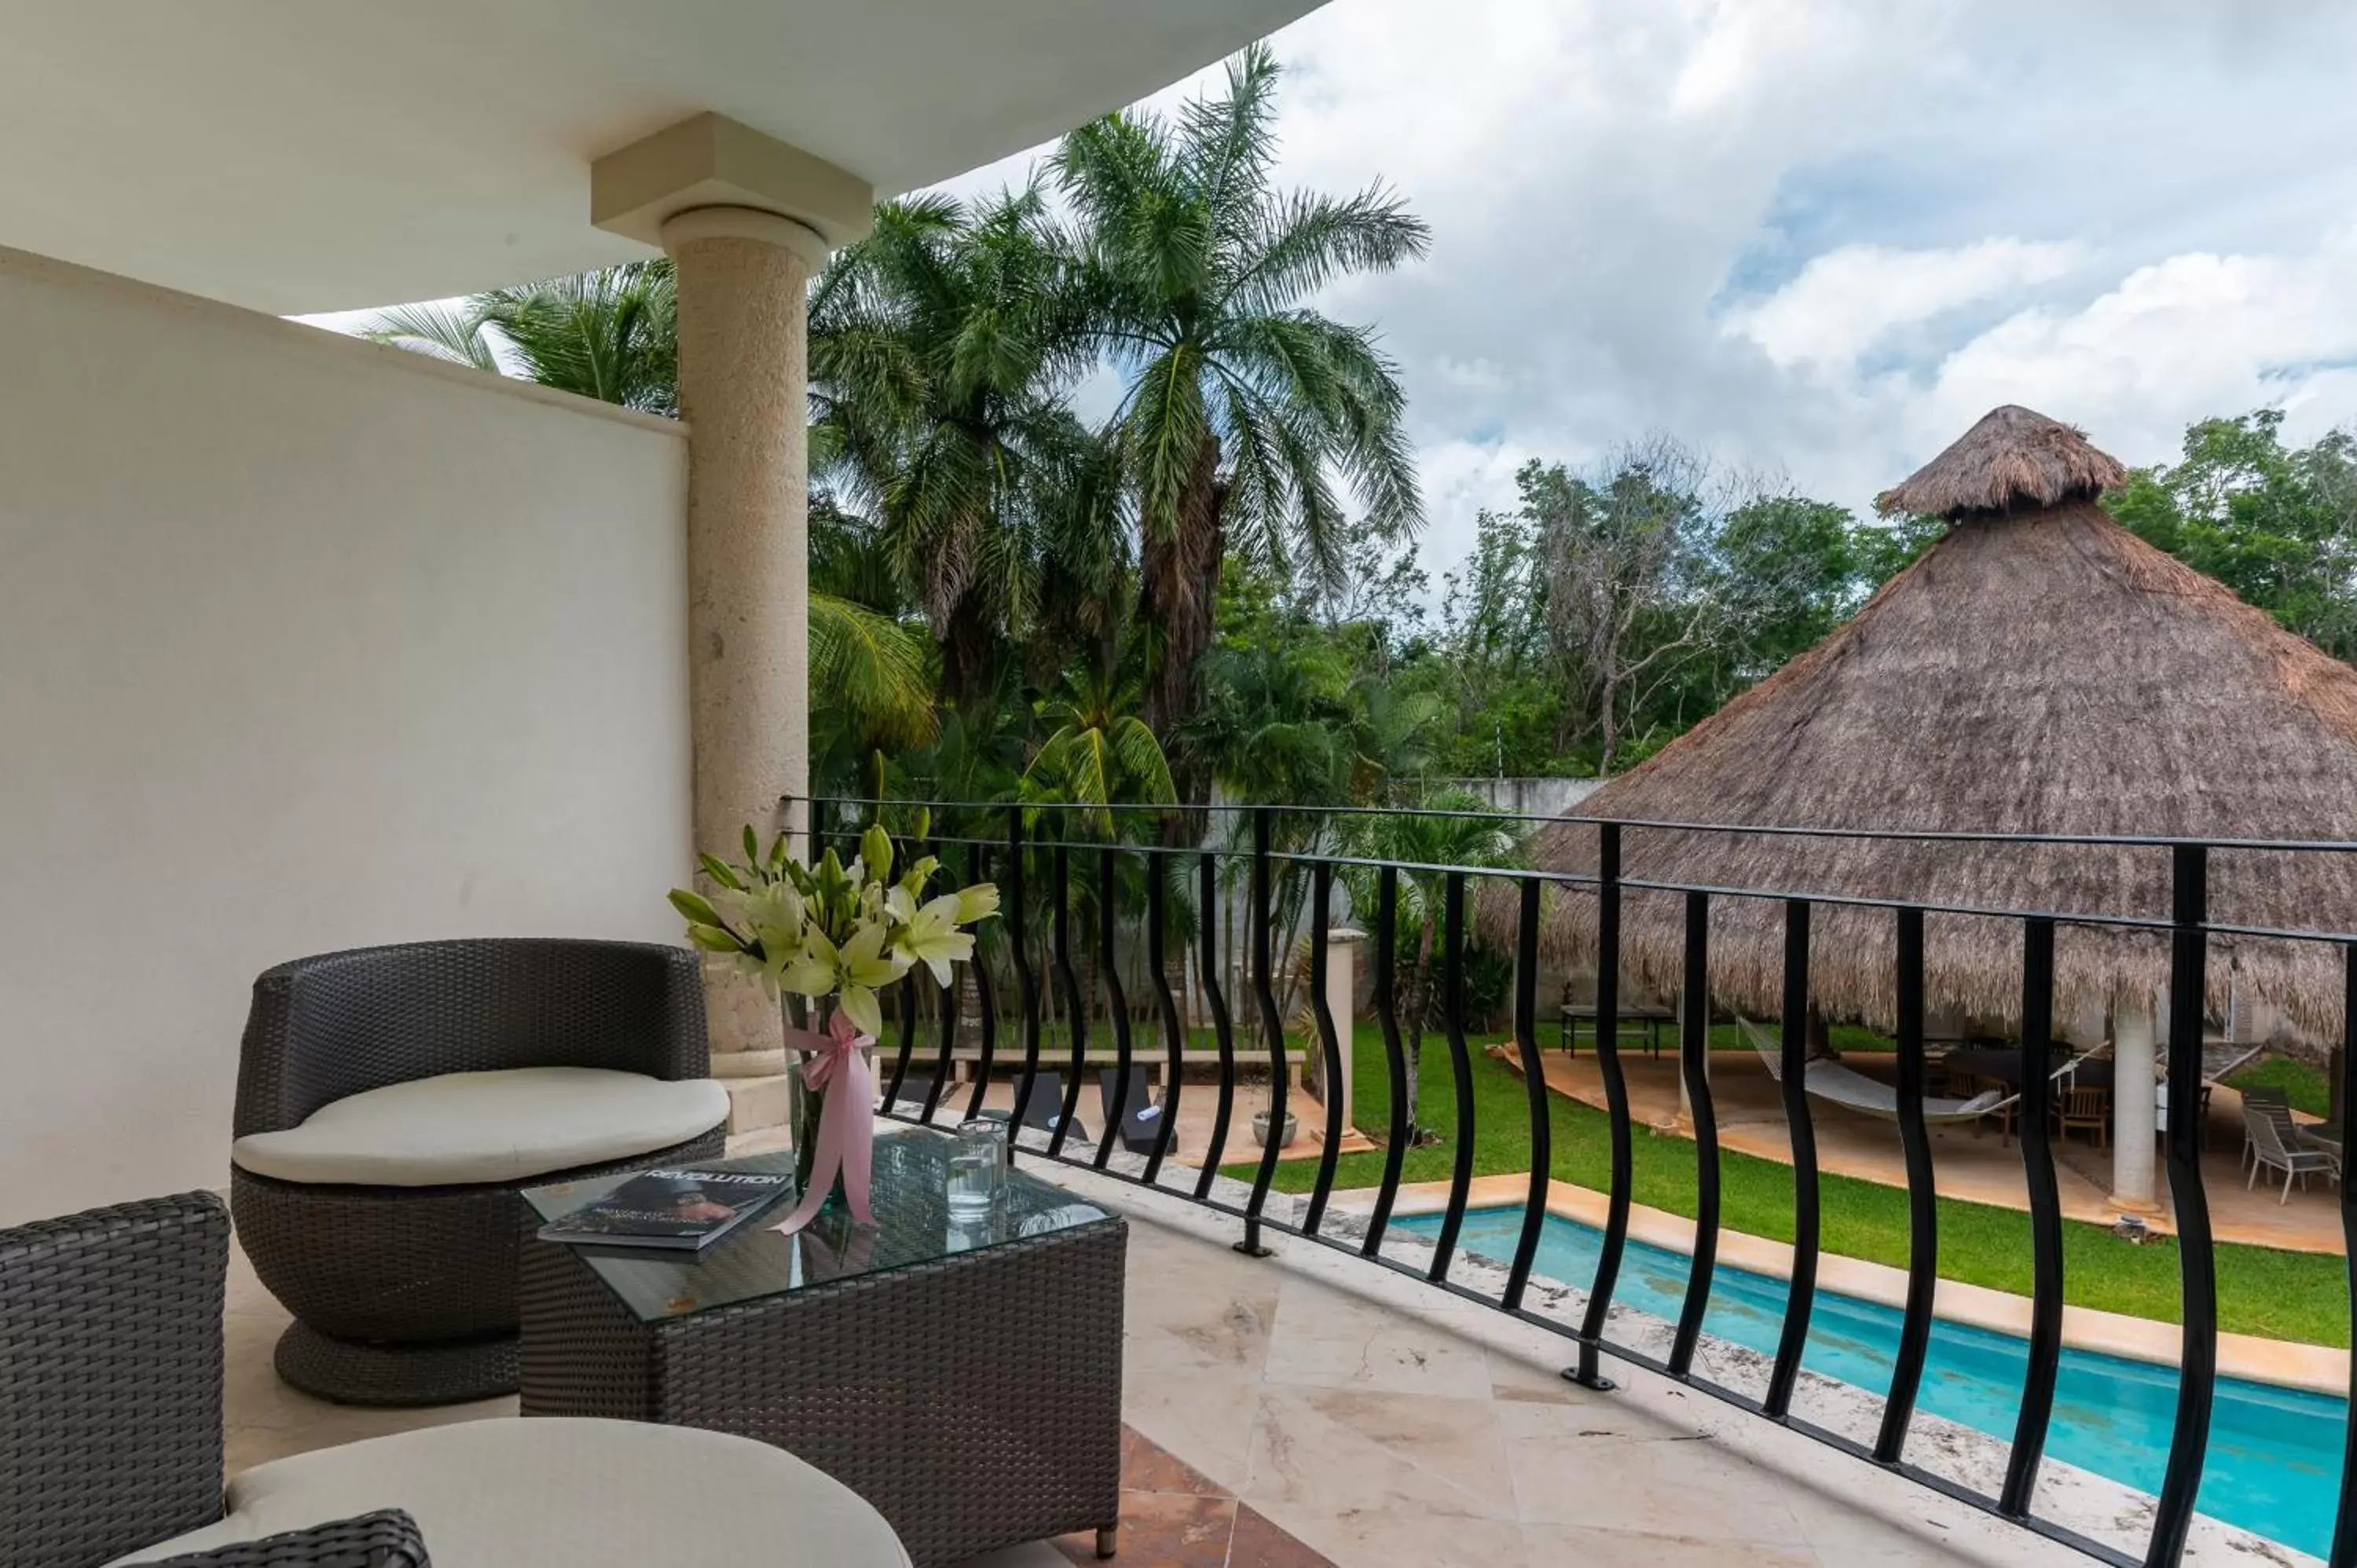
x=1243 y=403
x=613 y=335
x=1419 y=844
x=941 y=349
x=1100 y=752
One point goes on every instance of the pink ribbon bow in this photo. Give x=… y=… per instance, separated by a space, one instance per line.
x=846 y=1124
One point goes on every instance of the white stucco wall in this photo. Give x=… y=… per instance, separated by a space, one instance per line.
x=304 y=644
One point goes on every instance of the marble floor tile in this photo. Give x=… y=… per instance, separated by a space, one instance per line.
x=1278 y=1416
x=1326 y=1339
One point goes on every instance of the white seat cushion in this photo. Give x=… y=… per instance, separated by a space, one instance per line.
x=468 y=1127
x=562 y=1493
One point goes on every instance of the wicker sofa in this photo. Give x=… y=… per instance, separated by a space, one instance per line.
x=390 y=1102
x=111 y=1446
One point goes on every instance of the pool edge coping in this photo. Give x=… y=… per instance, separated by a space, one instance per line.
x=2250 y=1358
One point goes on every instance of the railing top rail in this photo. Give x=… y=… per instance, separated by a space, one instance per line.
x=1912 y=835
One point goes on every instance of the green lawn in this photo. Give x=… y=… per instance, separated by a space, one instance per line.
x=2303 y=1085
x=2284 y=1295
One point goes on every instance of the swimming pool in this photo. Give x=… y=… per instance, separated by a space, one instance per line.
x=2275 y=1454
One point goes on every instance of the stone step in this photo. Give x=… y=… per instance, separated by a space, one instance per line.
x=756 y=1102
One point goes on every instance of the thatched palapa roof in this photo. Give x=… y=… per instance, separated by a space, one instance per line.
x=2038 y=670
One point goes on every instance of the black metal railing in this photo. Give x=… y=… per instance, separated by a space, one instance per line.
x=1029 y=849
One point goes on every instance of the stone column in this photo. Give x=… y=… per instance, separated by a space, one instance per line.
x=1342 y=997
x=746 y=220
x=743 y=379
x=2135 y=1105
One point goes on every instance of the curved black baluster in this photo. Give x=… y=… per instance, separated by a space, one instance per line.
x=908 y=1041
x=946 y=1003
x=1800 y=1298
x=1534 y=1085
x=1076 y=1015
x=1394 y=1056
x=1117 y=1003
x=2197 y=1359
x=1589 y=1372
x=1922 y=1201
x=1026 y=988
x=1207 y=970
x=2045 y=1221
x=1272 y=1030
x=1174 y=1033
x=985 y=1005
x=1321 y=894
x=1460 y=1072
x=1694 y=1062
x=2344 y=1526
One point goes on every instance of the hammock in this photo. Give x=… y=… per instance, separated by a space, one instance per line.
x=1853 y=1090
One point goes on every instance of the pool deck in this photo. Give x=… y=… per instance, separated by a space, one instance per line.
x=2315 y=1367
x=1972 y=1163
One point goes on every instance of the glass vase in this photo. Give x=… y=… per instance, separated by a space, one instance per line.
x=805 y=1104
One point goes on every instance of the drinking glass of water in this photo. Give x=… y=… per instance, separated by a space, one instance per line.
x=978 y=1170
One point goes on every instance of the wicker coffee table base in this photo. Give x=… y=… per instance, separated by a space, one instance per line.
x=974 y=1400
x=393 y=1376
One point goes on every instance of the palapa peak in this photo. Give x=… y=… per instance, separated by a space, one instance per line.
x=2015 y=459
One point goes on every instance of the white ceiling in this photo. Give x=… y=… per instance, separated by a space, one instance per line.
x=323 y=154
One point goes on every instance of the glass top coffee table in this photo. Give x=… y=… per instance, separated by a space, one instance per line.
x=913 y=1226
x=963 y=1378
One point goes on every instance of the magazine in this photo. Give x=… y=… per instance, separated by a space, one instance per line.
x=682 y=1211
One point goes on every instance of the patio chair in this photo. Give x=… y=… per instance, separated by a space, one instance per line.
x=2259 y=1098
x=1043 y=1107
x=111 y=1367
x=2275 y=1143
x=1141 y=1120
x=2084 y=1108
x=390 y=1102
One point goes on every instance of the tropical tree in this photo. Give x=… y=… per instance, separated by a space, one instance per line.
x=2275 y=523
x=1098 y=751
x=1453 y=829
x=1243 y=403
x=941 y=349
x=611 y=334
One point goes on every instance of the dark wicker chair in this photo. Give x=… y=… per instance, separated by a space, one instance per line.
x=406 y=1295
x=111 y=1379
x=386 y=1539
x=111 y=1442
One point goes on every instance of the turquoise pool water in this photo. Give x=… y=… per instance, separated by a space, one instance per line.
x=2275 y=1454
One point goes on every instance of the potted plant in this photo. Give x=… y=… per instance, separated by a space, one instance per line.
x=835 y=936
x=1260 y=1128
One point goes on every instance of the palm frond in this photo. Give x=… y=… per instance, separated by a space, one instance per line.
x=869 y=664
x=438 y=331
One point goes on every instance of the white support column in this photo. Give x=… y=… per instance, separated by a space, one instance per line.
x=743 y=379
x=747 y=221
x=1341 y=995
x=2135 y=1105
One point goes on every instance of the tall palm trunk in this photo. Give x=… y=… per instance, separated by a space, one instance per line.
x=1178 y=592
x=965 y=640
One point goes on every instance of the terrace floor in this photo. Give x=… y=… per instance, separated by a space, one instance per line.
x=1303 y=1410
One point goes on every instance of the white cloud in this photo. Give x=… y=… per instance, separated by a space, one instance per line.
x=2188 y=336
x=1906 y=211
x=1846 y=300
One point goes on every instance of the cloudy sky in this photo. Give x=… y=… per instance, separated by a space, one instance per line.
x=1818 y=238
